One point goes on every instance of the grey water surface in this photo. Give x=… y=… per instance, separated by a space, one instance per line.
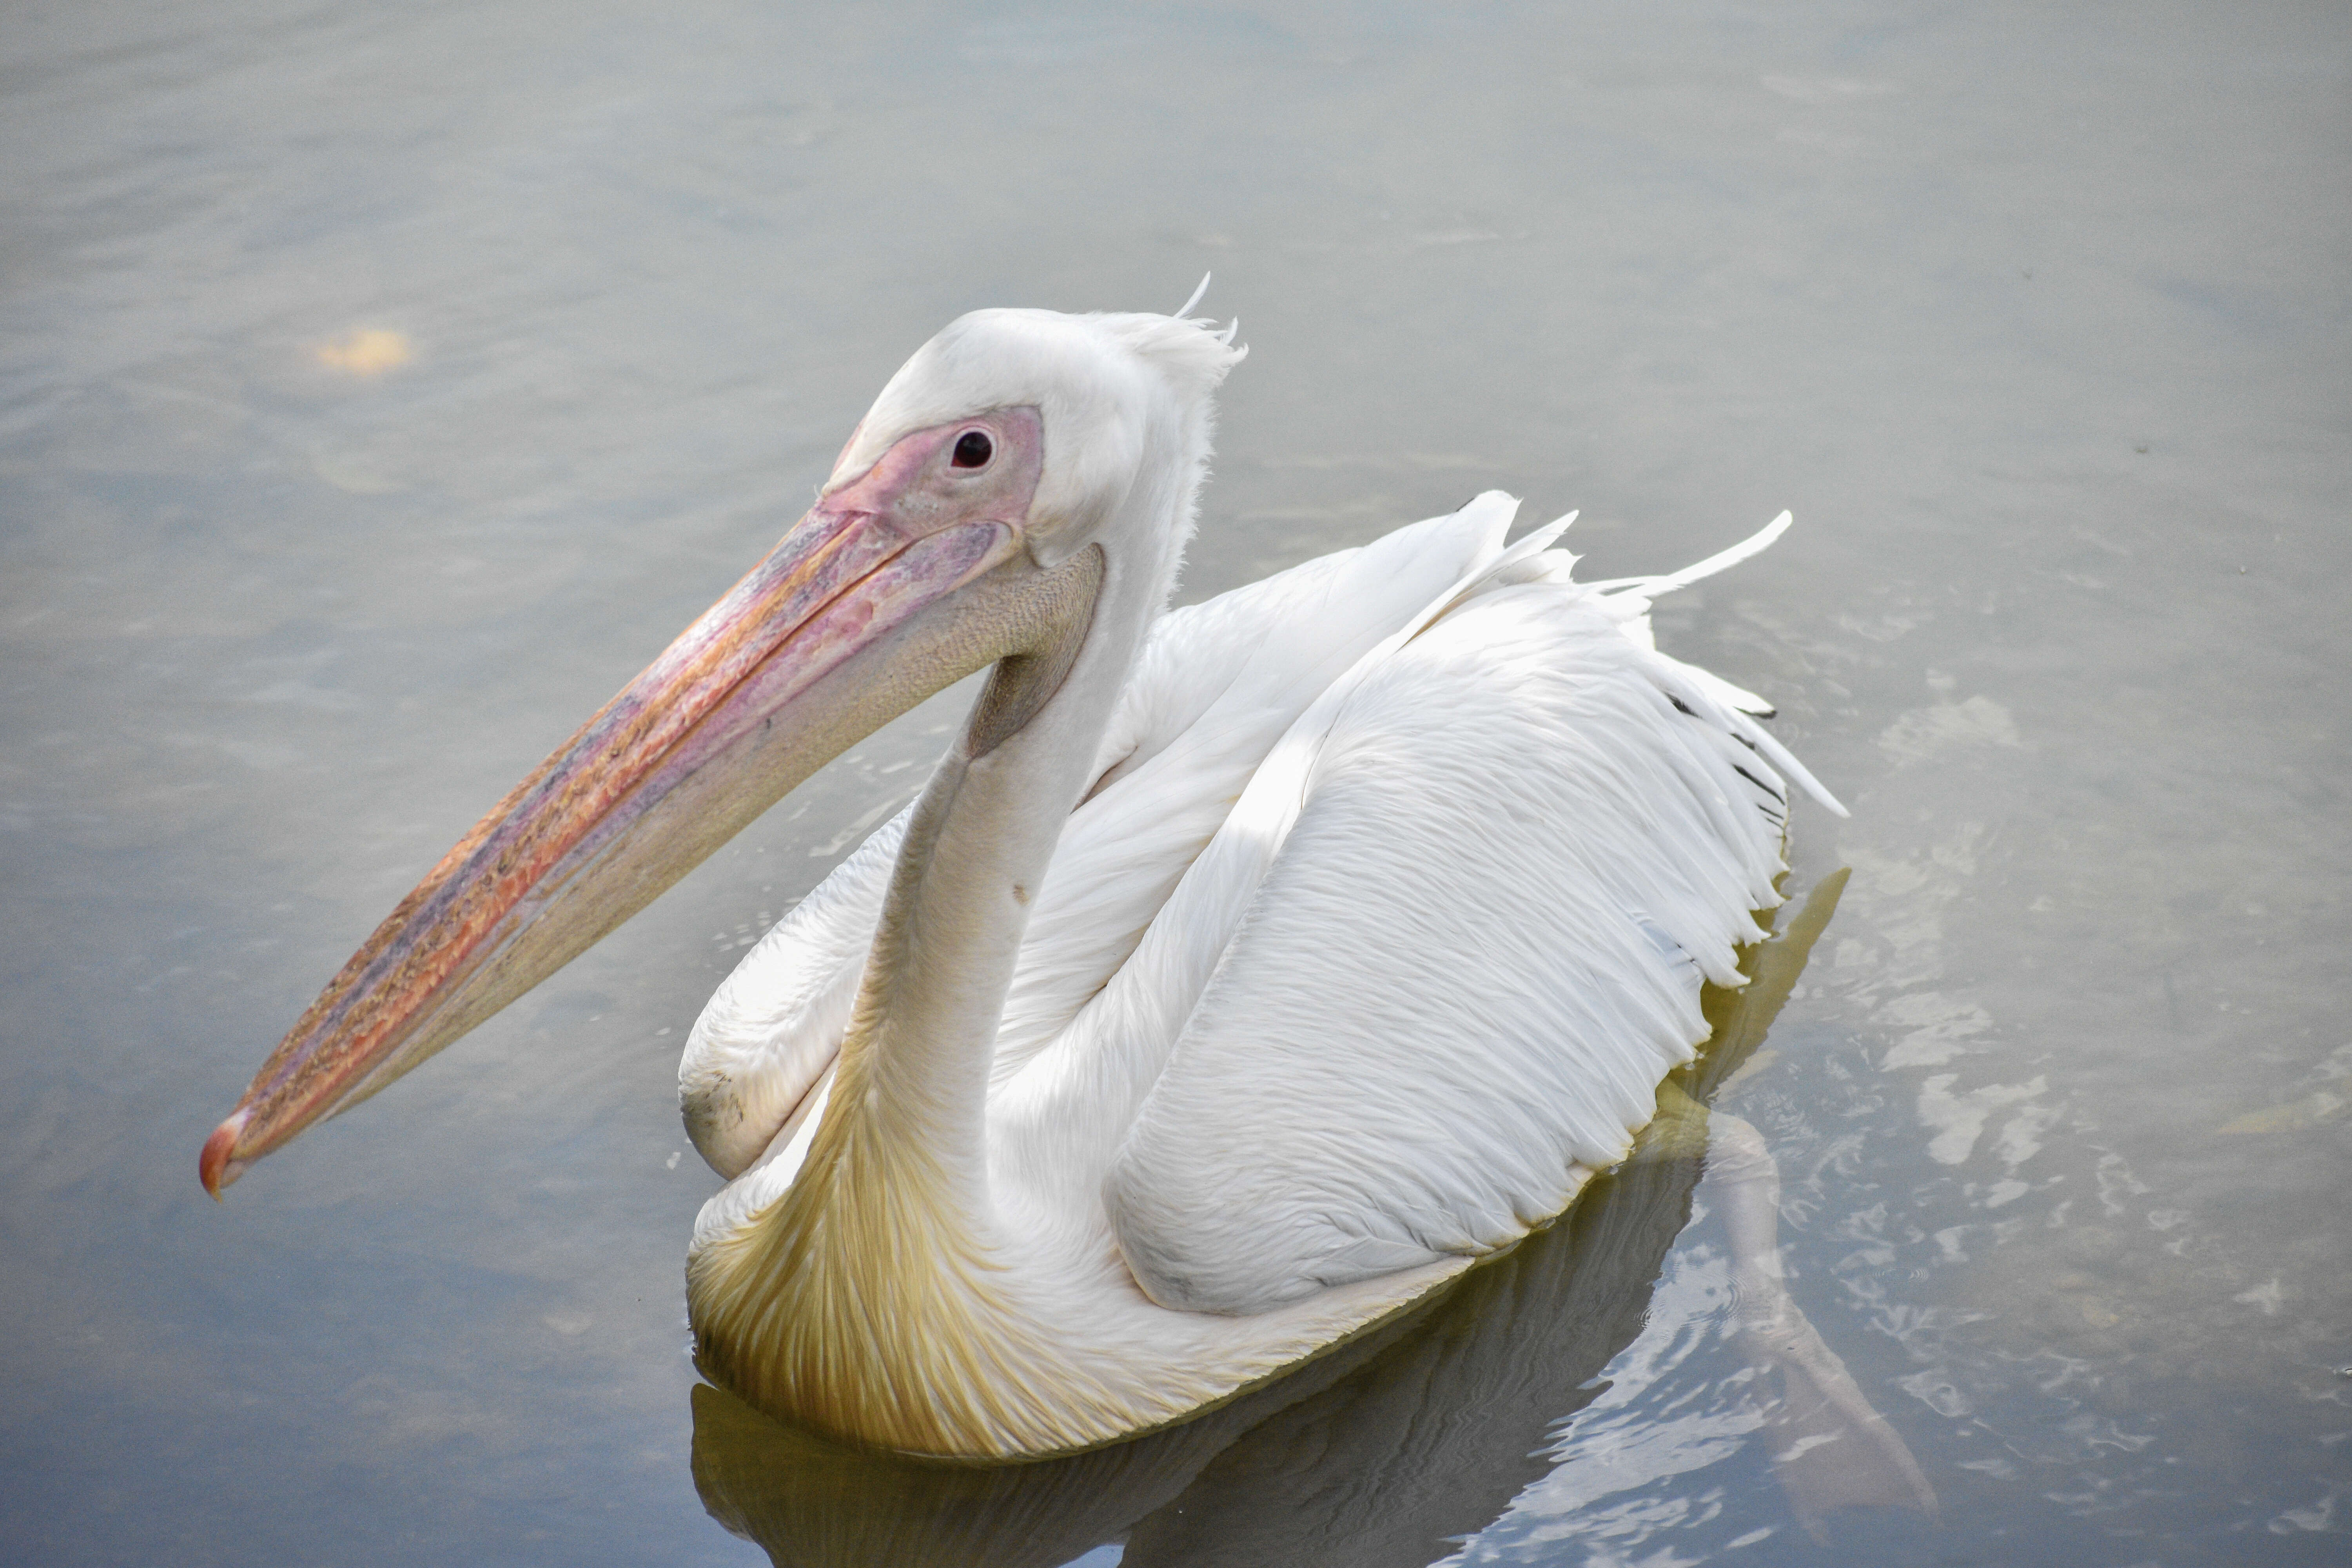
x=382 y=386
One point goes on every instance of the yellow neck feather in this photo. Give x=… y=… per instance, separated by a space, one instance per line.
x=850 y=1302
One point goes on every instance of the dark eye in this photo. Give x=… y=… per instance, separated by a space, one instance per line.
x=974 y=449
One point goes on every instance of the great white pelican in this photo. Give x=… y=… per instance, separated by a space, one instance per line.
x=1245 y=972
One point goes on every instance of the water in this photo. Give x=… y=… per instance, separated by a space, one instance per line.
x=2037 y=319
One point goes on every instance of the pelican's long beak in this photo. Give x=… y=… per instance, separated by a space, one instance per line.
x=892 y=588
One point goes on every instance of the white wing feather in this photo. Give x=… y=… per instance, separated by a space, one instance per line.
x=1217 y=684
x=774 y=1024
x=1471 y=906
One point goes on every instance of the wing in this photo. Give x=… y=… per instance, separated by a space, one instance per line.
x=1215 y=688
x=1216 y=685
x=774 y=1024
x=1476 y=908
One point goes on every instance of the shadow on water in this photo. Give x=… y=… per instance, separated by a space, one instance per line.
x=1377 y=1454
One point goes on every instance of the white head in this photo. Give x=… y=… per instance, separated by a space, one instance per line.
x=1118 y=398
x=999 y=454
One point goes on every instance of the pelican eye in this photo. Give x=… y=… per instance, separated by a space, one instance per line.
x=972 y=449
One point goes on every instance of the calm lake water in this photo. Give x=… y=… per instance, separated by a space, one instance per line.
x=380 y=387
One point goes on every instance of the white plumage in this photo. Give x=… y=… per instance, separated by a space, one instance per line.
x=1387 y=909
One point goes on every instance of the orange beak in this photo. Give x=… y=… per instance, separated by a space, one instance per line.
x=849 y=621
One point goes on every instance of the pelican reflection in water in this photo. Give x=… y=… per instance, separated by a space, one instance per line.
x=1387 y=1450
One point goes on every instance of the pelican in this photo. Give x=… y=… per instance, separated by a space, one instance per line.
x=1242 y=974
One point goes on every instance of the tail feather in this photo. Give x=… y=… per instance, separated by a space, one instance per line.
x=1721 y=561
x=1714 y=698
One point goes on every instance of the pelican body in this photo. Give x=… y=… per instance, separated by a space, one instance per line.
x=1243 y=973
